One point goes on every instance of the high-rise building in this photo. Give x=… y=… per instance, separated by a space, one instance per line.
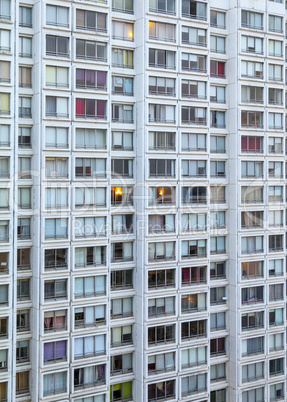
x=142 y=200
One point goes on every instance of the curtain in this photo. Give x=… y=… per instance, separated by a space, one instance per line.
x=101 y=108
x=80 y=107
x=48 y=351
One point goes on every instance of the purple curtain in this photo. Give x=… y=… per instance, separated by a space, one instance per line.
x=101 y=108
x=48 y=351
x=90 y=78
x=60 y=350
x=101 y=79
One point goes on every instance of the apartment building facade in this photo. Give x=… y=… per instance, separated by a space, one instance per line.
x=143 y=197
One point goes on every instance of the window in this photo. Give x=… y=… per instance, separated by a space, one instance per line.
x=90 y=286
x=90 y=196
x=25 y=17
x=164 y=278
x=123 y=6
x=55 y=383
x=275 y=96
x=193 y=329
x=275 y=194
x=251 y=20
x=55 y=320
x=275 y=72
x=55 y=290
x=217 y=346
x=193 y=384
x=217 y=169
x=193 y=168
x=161 y=168
x=25 y=46
x=254 y=395
x=24 y=228
x=252 y=346
x=251 y=144
x=122 y=279
x=121 y=335
x=162 y=114
x=92 y=316
x=57 y=76
x=24 y=168
x=275 y=218
x=24 y=137
x=5 y=13
x=56 y=259
x=56 y=228
x=56 y=197
x=122 y=224
x=276 y=342
x=252 y=119
x=23 y=259
x=217 y=44
x=275 y=48
x=217 y=144
x=4 y=136
x=87 y=256
x=57 y=107
x=252 y=295
x=90 y=167
x=193 y=89
x=193 y=62
x=163 y=306
x=56 y=137
x=90 y=226
x=91 y=108
x=122 y=113
x=251 y=94
x=217 y=19
x=162 y=86
x=217 y=69
x=22 y=382
x=217 y=270
x=161 y=334
x=276 y=367
x=218 y=396
x=162 y=59
x=193 y=195
x=217 y=119
x=123 y=85
x=193 y=303
x=56 y=168
x=217 y=94
x=89 y=346
x=3 y=360
x=5 y=46
x=277 y=391
x=91 y=21
x=55 y=351
x=251 y=44
x=25 y=76
x=4 y=268
x=275 y=267
x=217 y=245
x=23 y=289
x=251 y=321
x=252 y=69
x=90 y=79
x=193 y=357
x=22 y=352
x=89 y=50
x=122 y=364
x=193 y=36
x=161 y=251
x=251 y=169
x=90 y=138
x=193 y=115
x=122 y=251
x=218 y=372
x=57 y=46
x=275 y=243
x=193 y=276
x=194 y=9
x=217 y=295
x=275 y=145
x=275 y=121
x=252 y=219
x=161 y=31
x=4 y=231
x=122 y=58
x=193 y=142
x=276 y=292
x=4 y=103
x=23 y=320
x=57 y=16
x=121 y=391
x=275 y=317
x=193 y=222
x=252 y=372
x=123 y=30
x=161 y=195
x=162 y=6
